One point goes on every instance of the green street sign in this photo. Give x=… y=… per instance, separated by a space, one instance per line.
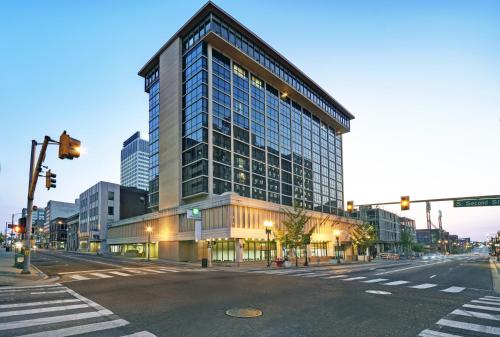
x=476 y=202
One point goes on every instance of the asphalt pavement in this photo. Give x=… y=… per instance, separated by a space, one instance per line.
x=408 y=298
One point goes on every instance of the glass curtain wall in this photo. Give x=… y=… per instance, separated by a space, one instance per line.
x=152 y=86
x=195 y=121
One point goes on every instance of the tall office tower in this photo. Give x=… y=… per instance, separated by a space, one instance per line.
x=134 y=169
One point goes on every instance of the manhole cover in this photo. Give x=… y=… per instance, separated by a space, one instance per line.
x=244 y=312
x=378 y=292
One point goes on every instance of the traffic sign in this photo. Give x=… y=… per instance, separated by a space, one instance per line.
x=476 y=202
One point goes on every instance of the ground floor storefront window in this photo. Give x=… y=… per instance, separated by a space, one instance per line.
x=257 y=250
x=224 y=251
x=319 y=248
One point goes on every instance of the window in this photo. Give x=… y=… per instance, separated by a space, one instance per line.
x=111 y=210
x=111 y=195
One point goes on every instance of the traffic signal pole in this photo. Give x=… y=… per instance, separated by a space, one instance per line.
x=33 y=178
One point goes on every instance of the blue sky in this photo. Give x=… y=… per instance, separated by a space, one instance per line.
x=421 y=77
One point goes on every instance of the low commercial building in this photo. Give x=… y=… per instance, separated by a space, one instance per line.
x=58 y=233
x=387 y=226
x=53 y=210
x=102 y=204
x=72 y=222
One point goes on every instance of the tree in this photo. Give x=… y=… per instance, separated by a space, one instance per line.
x=293 y=234
x=363 y=236
x=406 y=241
x=417 y=247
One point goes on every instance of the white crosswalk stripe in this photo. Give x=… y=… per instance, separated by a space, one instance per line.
x=354 y=278
x=78 y=277
x=467 y=321
x=119 y=273
x=335 y=276
x=101 y=275
x=79 y=315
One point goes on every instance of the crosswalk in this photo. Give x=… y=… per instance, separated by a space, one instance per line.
x=123 y=272
x=343 y=275
x=57 y=311
x=479 y=317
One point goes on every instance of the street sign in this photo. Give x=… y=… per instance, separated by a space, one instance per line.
x=476 y=202
x=194 y=213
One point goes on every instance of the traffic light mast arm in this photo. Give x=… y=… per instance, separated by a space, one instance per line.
x=431 y=200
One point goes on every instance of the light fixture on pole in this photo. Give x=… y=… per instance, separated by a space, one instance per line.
x=268 y=225
x=336 y=232
x=149 y=230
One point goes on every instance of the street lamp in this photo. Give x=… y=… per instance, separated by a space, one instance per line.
x=149 y=230
x=268 y=225
x=336 y=232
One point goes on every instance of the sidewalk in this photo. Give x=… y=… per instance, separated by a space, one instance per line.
x=495 y=274
x=9 y=275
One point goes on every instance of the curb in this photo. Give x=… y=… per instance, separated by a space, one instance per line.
x=495 y=276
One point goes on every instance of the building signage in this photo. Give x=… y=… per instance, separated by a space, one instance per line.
x=194 y=213
x=476 y=202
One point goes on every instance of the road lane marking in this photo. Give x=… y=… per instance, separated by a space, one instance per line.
x=155 y=271
x=424 y=286
x=53 y=319
x=413 y=267
x=378 y=292
x=354 y=278
x=482 y=307
x=476 y=314
x=135 y=271
x=39 y=310
x=34 y=304
x=100 y=275
x=493 y=297
x=303 y=274
x=335 y=276
x=80 y=329
x=119 y=273
x=48 y=292
x=141 y=334
x=432 y=333
x=453 y=290
x=318 y=275
x=470 y=326
x=490 y=300
x=88 y=301
x=170 y=270
x=79 y=277
x=433 y=276
x=375 y=280
x=8 y=289
x=485 y=302
x=396 y=283
x=8 y=292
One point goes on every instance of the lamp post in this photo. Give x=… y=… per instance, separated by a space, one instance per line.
x=337 y=236
x=149 y=230
x=268 y=225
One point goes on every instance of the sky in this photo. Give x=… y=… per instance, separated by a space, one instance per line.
x=421 y=77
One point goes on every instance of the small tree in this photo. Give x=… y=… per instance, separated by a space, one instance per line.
x=406 y=241
x=417 y=247
x=363 y=236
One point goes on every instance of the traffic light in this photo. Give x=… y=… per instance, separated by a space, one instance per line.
x=350 y=206
x=69 y=148
x=21 y=227
x=405 y=203
x=50 y=180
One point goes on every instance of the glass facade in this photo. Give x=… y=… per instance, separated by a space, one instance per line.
x=225 y=31
x=267 y=147
x=195 y=121
x=152 y=86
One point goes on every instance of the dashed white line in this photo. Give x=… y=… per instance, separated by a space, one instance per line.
x=424 y=286
x=432 y=276
x=453 y=290
x=396 y=283
x=376 y=280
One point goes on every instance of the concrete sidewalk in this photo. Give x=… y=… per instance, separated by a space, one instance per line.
x=9 y=275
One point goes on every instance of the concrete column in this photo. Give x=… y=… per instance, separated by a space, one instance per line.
x=279 y=250
x=239 y=250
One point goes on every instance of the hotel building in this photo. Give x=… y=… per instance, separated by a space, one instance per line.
x=237 y=132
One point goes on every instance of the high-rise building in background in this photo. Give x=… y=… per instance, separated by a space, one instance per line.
x=134 y=168
x=237 y=132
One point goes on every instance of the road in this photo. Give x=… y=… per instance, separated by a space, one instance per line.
x=404 y=299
